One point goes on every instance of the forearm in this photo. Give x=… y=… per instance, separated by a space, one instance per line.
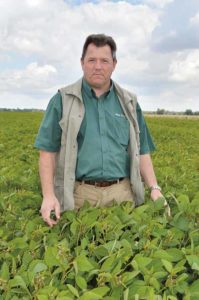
x=147 y=170
x=46 y=171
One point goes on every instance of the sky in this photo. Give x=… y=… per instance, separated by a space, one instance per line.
x=157 y=49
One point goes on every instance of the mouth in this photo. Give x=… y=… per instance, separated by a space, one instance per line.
x=98 y=75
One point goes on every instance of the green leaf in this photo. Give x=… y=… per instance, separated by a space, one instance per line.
x=90 y=218
x=159 y=204
x=141 y=209
x=175 y=254
x=162 y=254
x=108 y=264
x=39 y=267
x=95 y=294
x=112 y=246
x=181 y=222
x=184 y=203
x=117 y=268
x=155 y=283
x=64 y=298
x=126 y=294
x=74 y=227
x=19 y=243
x=83 y=264
x=42 y=297
x=69 y=215
x=100 y=251
x=151 y=293
x=142 y=261
x=126 y=245
x=194 y=288
x=35 y=267
x=182 y=277
x=168 y=266
x=49 y=291
x=18 y=281
x=4 y=273
x=138 y=287
x=65 y=295
x=50 y=257
x=160 y=274
x=84 y=243
x=27 y=258
x=73 y=290
x=81 y=282
x=128 y=277
x=193 y=261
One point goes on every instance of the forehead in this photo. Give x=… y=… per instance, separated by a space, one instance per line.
x=103 y=51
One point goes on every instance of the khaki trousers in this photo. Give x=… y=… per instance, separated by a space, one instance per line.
x=102 y=196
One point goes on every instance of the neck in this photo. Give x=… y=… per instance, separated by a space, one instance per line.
x=101 y=90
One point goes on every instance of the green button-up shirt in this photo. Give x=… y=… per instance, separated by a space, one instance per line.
x=103 y=137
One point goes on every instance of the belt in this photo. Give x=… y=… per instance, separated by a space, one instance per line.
x=101 y=183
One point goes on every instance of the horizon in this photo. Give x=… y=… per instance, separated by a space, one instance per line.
x=2 y=109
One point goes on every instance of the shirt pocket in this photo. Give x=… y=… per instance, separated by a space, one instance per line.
x=120 y=128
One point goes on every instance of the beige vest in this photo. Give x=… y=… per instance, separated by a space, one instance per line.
x=72 y=116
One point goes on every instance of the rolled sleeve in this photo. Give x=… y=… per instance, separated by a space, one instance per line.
x=146 y=141
x=49 y=134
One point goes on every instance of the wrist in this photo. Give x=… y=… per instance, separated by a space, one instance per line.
x=155 y=187
x=47 y=196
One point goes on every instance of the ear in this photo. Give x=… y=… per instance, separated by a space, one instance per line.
x=114 y=63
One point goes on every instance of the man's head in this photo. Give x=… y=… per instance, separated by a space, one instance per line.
x=100 y=40
x=98 y=61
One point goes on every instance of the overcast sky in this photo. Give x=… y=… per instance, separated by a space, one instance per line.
x=158 y=49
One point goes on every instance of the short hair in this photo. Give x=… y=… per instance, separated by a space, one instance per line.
x=100 y=40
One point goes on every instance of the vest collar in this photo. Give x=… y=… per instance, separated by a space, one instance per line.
x=124 y=94
x=75 y=89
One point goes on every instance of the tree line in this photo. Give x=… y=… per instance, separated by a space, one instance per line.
x=159 y=111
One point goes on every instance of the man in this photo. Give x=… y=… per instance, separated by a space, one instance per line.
x=94 y=143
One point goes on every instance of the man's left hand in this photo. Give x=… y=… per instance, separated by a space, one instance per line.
x=155 y=195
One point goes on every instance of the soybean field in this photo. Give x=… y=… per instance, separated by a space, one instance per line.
x=114 y=253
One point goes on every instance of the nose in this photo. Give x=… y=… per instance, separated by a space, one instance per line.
x=98 y=64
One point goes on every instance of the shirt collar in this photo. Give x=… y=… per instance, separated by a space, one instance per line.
x=90 y=92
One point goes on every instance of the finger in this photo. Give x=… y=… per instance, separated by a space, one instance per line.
x=168 y=211
x=50 y=221
x=57 y=211
x=46 y=217
x=167 y=207
x=45 y=213
x=165 y=204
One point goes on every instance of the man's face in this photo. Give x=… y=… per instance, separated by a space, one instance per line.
x=98 y=66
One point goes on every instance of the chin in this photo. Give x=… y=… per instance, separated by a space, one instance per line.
x=96 y=84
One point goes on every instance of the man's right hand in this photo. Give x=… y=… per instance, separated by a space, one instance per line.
x=50 y=204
